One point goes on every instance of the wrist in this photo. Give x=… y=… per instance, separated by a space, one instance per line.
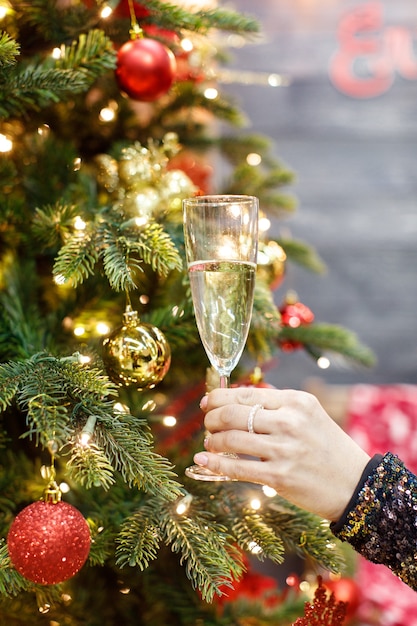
x=339 y=521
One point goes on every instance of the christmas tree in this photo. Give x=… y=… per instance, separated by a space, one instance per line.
x=110 y=115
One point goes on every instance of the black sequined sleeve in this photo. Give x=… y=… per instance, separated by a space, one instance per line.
x=380 y=521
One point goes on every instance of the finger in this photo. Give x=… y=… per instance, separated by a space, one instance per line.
x=247 y=396
x=245 y=470
x=240 y=443
x=237 y=417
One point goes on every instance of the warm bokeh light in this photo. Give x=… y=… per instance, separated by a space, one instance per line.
x=59 y=279
x=323 y=363
x=253 y=158
x=105 y=12
x=184 y=504
x=6 y=144
x=264 y=224
x=169 y=421
x=102 y=328
x=211 y=93
x=187 y=45
x=255 y=504
x=107 y=114
x=79 y=223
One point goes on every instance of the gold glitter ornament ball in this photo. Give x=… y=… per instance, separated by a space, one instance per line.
x=49 y=542
x=136 y=354
x=271 y=263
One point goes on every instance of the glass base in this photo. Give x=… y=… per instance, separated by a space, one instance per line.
x=197 y=472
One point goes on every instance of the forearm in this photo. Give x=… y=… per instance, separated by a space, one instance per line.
x=380 y=521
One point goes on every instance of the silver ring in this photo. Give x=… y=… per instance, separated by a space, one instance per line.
x=251 y=416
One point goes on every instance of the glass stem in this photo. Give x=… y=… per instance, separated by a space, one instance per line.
x=224 y=381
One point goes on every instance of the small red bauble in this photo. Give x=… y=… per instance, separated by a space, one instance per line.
x=293 y=315
x=145 y=69
x=296 y=313
x=49 y=543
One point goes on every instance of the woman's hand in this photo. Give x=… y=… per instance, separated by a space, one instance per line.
x=296 y=447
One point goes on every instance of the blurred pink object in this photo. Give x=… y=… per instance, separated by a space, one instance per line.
x=381 y=419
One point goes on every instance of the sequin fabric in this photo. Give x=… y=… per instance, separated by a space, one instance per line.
x=382 y=524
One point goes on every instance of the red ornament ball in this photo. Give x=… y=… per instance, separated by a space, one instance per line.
x=49 y=543
x=293 y=315
x=145 y=69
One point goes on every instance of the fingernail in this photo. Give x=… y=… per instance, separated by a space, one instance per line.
x=200 y=458
x=206 y=442
x=203 y=403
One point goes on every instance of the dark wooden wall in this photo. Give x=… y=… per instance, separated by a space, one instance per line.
x=355 y=161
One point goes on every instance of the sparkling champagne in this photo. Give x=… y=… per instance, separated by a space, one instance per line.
x=223 y=297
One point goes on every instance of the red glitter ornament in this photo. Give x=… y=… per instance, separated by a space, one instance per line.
x=293 y=315
x=324 y=611
x=145 y=69
x=49 y=542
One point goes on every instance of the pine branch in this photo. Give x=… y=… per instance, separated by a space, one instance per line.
x=265 y=324
x=187 y=99
x=35 y=87
x=77 y=258
x=302 y=254
x=102 y=543
x=89 y=466
x=277 y=526
x=93 y=53
x=127 y=442
x=59 y=396
x=119 y=266
x=9 y=51
x=157 y=249
x=46 y=20
x=47 y=418
x=209 y=559
x=173 y=17
x=317 y=338
x=11 y=582
x=178 y=326
x=53 y=224
x=236 y=147
x=17 y=337
x=210 y=563
x=139 y=540
x=265 y=185
x=123 y=248
x=303 y=533
x=251 y=529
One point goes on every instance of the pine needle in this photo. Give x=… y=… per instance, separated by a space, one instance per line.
x=9 y=51
x=317 y=338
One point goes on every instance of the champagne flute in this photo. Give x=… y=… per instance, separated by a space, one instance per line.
x=221 y=243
